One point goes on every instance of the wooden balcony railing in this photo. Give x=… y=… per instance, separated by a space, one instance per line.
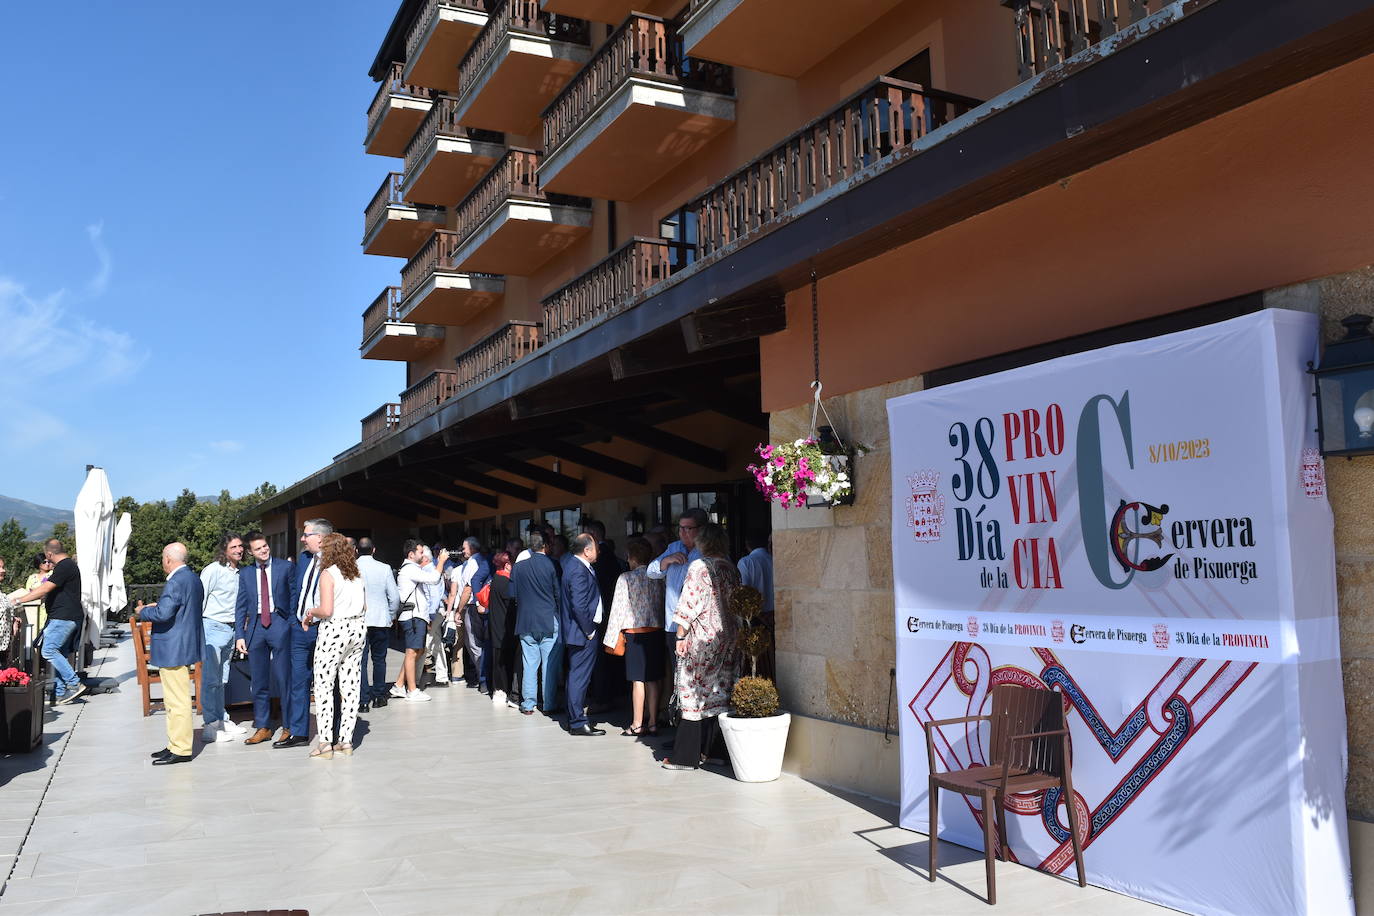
x=884 y=118
x=430 y=391
x=496 y=351
x=642 y=46
x=514 y=176
x=434 y=255
x=442 y=121
x=422 y=23
x=381 y=422
x=387 y=196
x=1048 y=31
x=507 y=16
x=394 y=84
x=383 y=309
x=608 y=287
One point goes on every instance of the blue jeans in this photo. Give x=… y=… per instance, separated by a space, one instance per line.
x=56 y=635
x=219 y=648
x=537 y=651
x=376 y=646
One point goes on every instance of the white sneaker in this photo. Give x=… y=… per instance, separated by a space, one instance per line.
x=398 y=691
x=234 y=729
x=498 y=698
x=418 y=696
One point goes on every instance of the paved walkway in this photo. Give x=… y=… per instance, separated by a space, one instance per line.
x=453 y=806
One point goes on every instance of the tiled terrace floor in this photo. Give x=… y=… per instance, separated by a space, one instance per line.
x=453 y=806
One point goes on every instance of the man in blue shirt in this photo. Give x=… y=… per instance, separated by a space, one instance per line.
x=672 y=565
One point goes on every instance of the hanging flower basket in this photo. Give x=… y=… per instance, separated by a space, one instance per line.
x=806 y=472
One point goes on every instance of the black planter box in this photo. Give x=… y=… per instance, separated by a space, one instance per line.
x=21 y=717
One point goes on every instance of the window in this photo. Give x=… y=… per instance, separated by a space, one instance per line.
x=567 y=522
x=679 y=230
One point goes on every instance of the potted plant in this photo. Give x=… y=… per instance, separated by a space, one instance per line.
x=22 y=717
x=755 y=729
x=814 y=471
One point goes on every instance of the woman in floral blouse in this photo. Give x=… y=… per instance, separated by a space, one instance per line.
x=707 y=659
x=637 y=609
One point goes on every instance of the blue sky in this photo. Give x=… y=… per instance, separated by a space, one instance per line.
x=181 y=280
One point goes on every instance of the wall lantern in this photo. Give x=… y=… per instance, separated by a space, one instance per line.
x=634 y=523
x=1345 y=391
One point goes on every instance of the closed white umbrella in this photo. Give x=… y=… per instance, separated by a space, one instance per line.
x=118 y=554
x=94 y=511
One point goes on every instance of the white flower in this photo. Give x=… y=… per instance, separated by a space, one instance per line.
x=799 y=443
x=842 y=477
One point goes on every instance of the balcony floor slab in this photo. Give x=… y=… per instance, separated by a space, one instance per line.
x=522 y=236
x=450 y=298
x=449 y=169
x=522 y=76
x=641 y=133
x=447 y=38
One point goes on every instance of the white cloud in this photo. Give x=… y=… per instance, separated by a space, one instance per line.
x=227 y=445
x=42 y=341
x=101 y=281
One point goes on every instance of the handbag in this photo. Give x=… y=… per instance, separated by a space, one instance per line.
x=619 y=647
x=484 y=594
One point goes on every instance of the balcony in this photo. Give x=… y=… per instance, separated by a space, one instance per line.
x=608 y=288
x=772 y=35
x=883 y=119
x=1044 y=40
x=420 y=399
x=386 y=336
x=508 y=225
x=441 y=35
x=394 y=227
x=636 y=111
x=433 y=290
x=381 y=423
x=396 y=110
x=496 y=351
x=517 y=65
x=608 y=11
x=444 y=159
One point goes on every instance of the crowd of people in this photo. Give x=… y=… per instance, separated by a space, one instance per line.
x=542 y=625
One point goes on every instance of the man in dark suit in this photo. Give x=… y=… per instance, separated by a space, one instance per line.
x=178 y=643
x=263 y=624
x=608 y=672
x=534 y=583
x=305 y=595
x=582 y=611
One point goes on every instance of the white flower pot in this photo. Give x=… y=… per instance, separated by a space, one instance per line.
x=756 y=745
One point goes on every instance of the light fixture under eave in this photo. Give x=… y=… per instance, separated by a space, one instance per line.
x=1345 y=391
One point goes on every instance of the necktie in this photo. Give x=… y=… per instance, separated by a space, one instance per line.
x=265 y=605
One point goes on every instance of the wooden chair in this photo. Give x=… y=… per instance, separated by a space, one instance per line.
x=147 y=676
x=1028 y=752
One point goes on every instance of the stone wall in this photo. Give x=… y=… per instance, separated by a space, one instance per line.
x=833 y=575
x=1351 y=487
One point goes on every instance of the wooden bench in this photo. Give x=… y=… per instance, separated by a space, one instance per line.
x=147 y=676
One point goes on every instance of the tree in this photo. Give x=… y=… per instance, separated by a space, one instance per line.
x=17 y=553
x=63 y=532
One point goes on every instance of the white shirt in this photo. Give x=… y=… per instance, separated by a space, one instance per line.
x=221 y=584
x=465 y=574
x=310 y=588
x=600 y=611
x=524 y=555
x=411 y=582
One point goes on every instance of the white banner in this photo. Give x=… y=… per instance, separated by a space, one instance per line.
x=1146 y=528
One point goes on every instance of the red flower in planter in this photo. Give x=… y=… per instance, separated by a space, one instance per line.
x=13 y=677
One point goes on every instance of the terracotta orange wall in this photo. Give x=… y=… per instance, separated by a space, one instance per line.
x=1274 y=193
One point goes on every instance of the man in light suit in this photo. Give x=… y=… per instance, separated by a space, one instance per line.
x=305 y=596
x=263 y=625
x=383 y=599
x=178 y=643
x=581 y=611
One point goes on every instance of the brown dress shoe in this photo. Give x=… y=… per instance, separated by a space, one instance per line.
x=259 y=736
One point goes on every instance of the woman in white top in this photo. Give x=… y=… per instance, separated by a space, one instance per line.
x=339 y=650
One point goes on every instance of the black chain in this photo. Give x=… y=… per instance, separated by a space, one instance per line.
x=815 y=331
